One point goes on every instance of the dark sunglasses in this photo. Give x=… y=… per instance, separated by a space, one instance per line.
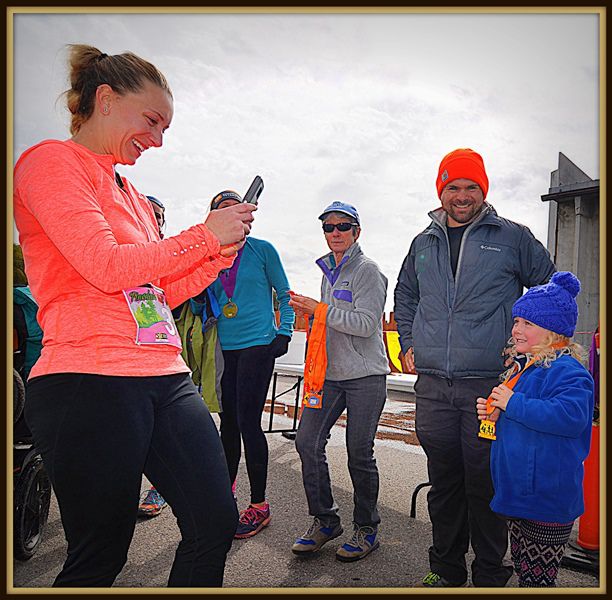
x=328 y=227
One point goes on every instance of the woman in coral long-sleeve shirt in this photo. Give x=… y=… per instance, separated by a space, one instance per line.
x=110 y=397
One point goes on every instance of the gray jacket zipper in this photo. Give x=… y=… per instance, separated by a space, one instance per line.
x=451 y=300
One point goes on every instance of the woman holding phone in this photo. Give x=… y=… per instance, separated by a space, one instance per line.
x=110 y=396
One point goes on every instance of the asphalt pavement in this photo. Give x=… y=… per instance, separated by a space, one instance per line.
x=266 y=561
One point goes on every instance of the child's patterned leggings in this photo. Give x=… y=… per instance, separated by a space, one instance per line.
x=537 y=549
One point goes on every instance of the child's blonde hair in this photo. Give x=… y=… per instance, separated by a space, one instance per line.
x=552 y=346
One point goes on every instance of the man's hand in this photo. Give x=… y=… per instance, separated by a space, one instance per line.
x=231 y=224
x=407 y=361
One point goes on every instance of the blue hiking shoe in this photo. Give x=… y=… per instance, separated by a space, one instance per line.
x=363 y=541
x=315 y=537
x=152 y=504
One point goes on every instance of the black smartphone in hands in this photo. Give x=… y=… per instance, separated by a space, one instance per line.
x=254 y=190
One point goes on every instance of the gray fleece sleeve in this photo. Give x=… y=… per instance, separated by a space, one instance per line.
x=369 y=296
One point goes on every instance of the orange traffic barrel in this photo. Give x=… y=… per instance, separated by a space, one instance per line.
x=588 y=526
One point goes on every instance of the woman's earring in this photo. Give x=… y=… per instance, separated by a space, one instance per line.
x=106 y=109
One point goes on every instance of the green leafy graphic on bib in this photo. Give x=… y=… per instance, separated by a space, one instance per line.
x=146 y=314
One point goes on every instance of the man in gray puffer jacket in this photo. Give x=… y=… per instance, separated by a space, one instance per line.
x=453 y=306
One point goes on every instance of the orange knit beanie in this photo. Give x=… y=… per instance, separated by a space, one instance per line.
x=462 y=163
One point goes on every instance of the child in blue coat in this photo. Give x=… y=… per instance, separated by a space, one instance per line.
x=543 y=430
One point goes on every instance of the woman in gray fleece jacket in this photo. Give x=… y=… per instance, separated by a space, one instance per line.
x=355 y=290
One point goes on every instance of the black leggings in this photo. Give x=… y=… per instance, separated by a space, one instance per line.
x=97 y=435
x=245 y=383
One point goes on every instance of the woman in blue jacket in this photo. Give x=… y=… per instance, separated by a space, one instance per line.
x=251 y=341
x=543 y=431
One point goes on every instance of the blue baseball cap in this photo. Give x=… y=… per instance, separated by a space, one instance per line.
x=341 y=207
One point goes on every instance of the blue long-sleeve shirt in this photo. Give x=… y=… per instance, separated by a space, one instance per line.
x=543 y=437
x=259 y=272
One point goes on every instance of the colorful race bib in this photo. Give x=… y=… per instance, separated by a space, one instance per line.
x=154 y=321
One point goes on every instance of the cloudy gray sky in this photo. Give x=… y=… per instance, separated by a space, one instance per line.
x=352 y=107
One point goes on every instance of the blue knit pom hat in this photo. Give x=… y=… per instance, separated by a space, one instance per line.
x=553 y=305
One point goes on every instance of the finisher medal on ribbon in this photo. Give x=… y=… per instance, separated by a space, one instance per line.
x=230 y=309
x=228 y=281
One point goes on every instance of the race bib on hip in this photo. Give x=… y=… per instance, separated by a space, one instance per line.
x=154 y=321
